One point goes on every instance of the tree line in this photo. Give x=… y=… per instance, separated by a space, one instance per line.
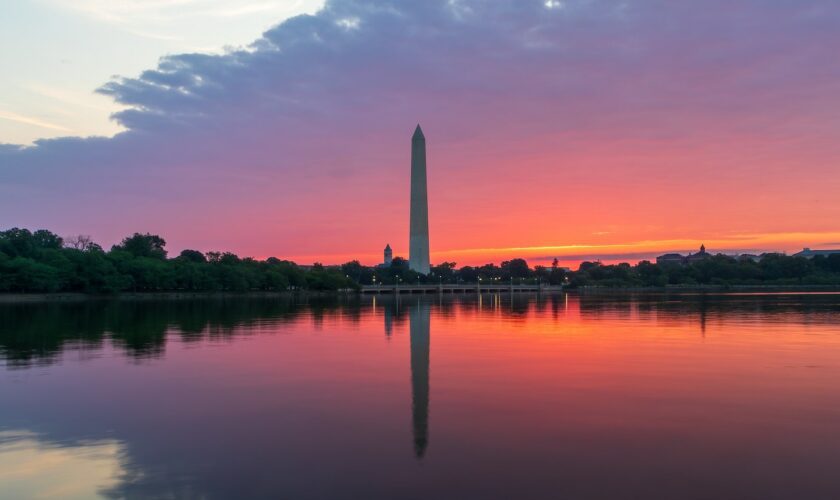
x=772 y=269
x=42 y=261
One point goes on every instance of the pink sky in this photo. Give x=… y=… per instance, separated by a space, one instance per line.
x=582 y=131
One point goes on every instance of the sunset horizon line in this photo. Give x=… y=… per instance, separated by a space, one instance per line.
x=635 y=251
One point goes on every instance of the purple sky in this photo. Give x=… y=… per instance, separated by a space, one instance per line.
x=571 y=128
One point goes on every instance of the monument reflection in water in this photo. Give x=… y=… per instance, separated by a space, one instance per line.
x=419 y=318
x=419 y=327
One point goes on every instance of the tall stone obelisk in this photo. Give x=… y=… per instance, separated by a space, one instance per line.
x=418 y=238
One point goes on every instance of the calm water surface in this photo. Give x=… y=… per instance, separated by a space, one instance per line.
x=683 y=397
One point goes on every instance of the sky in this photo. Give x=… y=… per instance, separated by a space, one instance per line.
x=60 y=51
x=576 y=129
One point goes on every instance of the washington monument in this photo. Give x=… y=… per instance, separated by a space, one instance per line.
x=418 y=238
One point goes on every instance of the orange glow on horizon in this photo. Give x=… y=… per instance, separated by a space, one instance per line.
x=569 y=254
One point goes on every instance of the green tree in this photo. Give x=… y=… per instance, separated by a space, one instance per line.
x=192 y=256
x=22 y=274
x=516 y=268
x=17 y=242
x=143 y=245
x=443 y=272
x=44 y=239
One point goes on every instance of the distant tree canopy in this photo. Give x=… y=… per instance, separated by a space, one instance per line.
x=41 y=261
x=143 y=245
x=772 y=269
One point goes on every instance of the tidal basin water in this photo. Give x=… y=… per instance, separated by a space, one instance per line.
x=562 y=396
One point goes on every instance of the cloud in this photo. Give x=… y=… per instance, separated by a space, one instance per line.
x=29 y=120
x=481 y=57
x=126 y=11
x=303 y=133
x=66 y=97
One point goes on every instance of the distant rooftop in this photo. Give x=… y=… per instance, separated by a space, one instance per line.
x=808 y=253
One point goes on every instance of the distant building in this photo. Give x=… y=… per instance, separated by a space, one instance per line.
x=810 y=254
x=670 y=258
x=695 y=257
x=744 y=257
x=389 y=256
x=675 y=258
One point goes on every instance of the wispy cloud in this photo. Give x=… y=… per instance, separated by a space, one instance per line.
x=30 y=120
x=133 y=12
x=65 y=96
x=125 y=11
x=244 y=9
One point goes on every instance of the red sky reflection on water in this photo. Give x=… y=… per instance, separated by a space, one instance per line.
x=589 y=397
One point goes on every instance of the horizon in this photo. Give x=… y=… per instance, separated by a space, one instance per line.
x=581 y=131
x=569 y=261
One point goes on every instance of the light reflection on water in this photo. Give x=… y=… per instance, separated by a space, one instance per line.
x=33 y=468
x=642 y=396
